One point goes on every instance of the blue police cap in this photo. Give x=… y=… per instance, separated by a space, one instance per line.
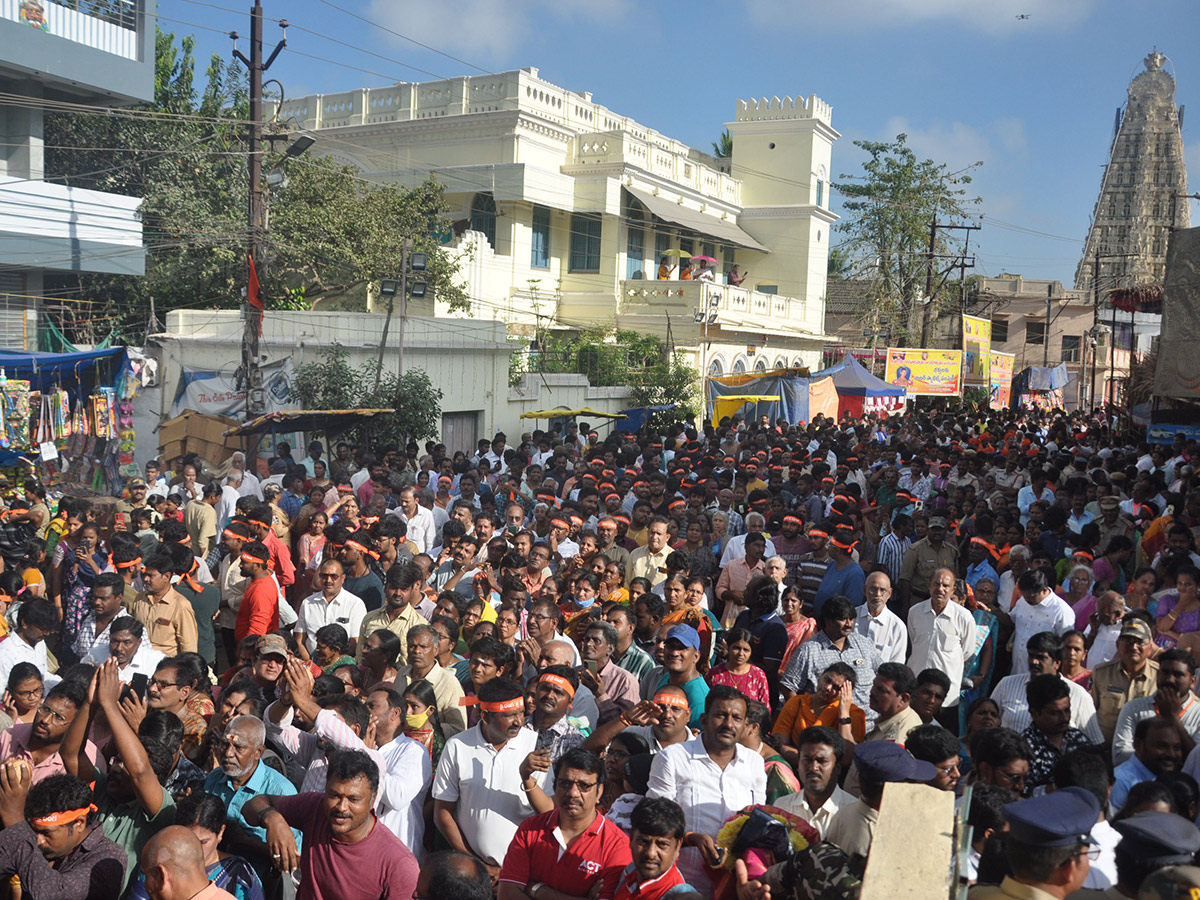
x=1162 y=838
x=882 y=761
x=1060 y=819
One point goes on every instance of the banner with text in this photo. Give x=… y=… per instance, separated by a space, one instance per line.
x=935 y=373
x=217 y=393
x=1000 y=379
x=977 y=345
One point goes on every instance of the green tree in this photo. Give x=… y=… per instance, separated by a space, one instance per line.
x=722 y=147
x=890 y=207
x=839 y=266
x=668 y=380
x=330 y=382
x=185 y=155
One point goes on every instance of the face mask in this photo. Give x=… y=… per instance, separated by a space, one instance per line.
x=416 y=720
x=584 y=604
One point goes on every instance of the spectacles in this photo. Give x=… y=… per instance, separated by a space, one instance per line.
x=29 y=695
x=330 y=575
x=948 y=770
x=1010 y=778
x=163 y=684
x=56 y=716
x=1091 y=851
x=566 y=785
x=538 y=618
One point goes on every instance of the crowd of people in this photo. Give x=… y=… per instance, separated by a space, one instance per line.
x=681 y=663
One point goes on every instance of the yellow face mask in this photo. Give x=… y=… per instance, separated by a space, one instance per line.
x=416 y=720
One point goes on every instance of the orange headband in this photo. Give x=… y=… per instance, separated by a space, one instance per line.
x=247 y=557
x=503 y=706
x=817 y=532
x=559 y=682
x=64 y=818
x=792 y=519
x=230 y=533
x=259 y=522
x=623 y=519
x=130 y=564
x=842 y=545
x=671 y=700
x=187 y=539
x=361 y=548
x=560 y=523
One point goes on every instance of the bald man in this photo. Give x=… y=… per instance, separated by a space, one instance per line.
x=173 y=863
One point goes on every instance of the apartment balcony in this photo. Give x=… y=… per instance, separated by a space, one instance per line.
x=111 y=25
x=724 y=308
x=664 y=158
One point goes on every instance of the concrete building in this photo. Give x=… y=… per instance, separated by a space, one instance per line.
x=94 y=52
x=466 y=359
x=566 y=208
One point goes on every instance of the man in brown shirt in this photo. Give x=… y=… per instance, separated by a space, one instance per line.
x=1131 y=674
x=167 y=615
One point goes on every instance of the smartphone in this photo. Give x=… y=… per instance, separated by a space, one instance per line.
x=137 y=685
x=591 y=666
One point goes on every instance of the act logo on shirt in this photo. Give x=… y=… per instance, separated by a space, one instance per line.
x=590 y=866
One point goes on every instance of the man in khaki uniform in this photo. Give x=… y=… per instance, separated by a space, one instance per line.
x=167 y=615
x=1131 y=674
x=922 y=560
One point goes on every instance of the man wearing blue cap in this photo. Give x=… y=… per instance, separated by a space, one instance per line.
x=1149 y=841
x=1048 y=846
x=680 y=653
x=877 y=762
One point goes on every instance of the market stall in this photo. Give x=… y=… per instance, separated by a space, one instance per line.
x=66 y=419
x=861 y=393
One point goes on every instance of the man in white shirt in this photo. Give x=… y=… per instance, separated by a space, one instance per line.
x=407 y=771
x=127 y=644
x=942 y=634
x=332 y=605
x=37 y=621
x=711 y=777
x=489 y=776
x=820 y=753
x=421 y=530
x=879 y=624
x=246 y=483
x=1038 y=610
x=1043 y=657
x=735 y=547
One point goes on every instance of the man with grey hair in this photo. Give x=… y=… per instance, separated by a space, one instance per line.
x=241 y=775
x=877 y=623
x=246 y=483
x=1018 y=562
x=616 y=690
x=736 y=548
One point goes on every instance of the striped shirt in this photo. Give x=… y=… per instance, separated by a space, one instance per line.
x=1014 y=708
x=891 y=554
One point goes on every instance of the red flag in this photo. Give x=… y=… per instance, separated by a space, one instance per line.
x=252 y=290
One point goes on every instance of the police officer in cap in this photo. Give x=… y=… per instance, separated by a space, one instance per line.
x=1149 y=841
x=1048 y=846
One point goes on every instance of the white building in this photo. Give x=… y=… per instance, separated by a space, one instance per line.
x=565 y=208
x=96 y=52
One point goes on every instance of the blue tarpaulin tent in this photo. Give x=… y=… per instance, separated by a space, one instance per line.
x=851 y=377
x=636 y=416
x=792 y=391
x=76 y=372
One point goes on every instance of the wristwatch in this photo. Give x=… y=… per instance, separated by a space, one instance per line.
x=844 y=720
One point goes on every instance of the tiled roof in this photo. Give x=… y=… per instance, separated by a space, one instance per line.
x=847 y=297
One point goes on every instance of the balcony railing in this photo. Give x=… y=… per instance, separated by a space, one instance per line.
x=108 y=25
x=731 y=305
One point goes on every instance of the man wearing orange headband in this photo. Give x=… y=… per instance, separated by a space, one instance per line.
x=491 y=777
x=553 y=694
x=660 y=721
x=56 y=847
x=258 y=612
x=843 y=576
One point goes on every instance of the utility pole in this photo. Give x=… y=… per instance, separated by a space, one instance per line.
x=928 y=310
x=251 y=373
x=1046 y=333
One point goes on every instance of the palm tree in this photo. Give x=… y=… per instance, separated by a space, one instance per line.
x=839 y=265
x=723 y=146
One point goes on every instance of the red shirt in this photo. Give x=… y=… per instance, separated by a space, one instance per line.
x=281 y=560
x=259 y=612
x=379 y=867
x=537 y=853
x=631 y=889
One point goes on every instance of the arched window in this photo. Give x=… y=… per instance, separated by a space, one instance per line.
x=781 y=363
x=715 y=368
x=739 y=366
x=483 y=217
x=760 y=365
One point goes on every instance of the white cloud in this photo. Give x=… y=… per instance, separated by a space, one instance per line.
x=488 y=27
x=958 y=144
x=993 y=16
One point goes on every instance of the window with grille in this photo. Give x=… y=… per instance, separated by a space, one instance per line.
x=999 y=331
x=1035 y=333
x=585 y=243
x=539 y=253
x=1071 y=344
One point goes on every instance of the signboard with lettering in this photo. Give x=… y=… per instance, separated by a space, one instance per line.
x=936 y=373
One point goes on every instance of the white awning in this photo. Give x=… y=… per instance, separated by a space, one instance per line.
x=724 y=231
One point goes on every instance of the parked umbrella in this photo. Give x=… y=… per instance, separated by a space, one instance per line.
x=673 y=252
x=704 y=259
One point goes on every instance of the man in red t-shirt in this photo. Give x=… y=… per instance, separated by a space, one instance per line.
x=348 y=853
x=259 y=611
x=259 y=519
x=596 y=849
x=656 y=833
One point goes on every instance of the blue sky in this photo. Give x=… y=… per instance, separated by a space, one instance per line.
x=965 y=79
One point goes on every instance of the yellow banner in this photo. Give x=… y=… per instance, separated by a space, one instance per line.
x=977 y=345
x=932 y=372
x=1000 y=379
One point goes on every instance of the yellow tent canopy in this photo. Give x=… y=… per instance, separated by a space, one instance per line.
x=570 y=413
x=727 y=406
